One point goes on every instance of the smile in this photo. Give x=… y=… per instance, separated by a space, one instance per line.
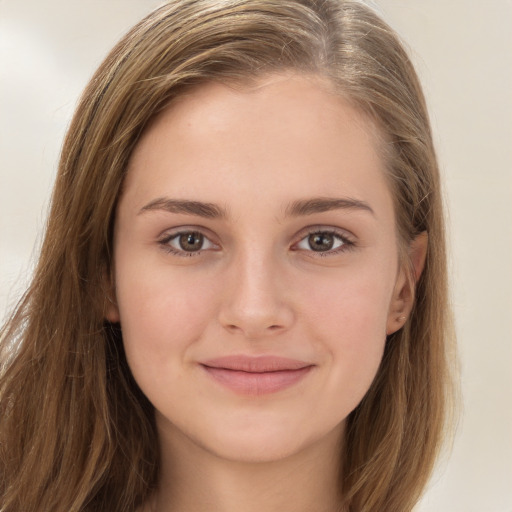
x=256 y=375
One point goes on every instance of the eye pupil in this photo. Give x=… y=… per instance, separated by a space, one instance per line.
x=191 y=241
x=321 y=241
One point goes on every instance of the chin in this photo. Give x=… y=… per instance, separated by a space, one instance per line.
x=258 y=442
x=256 y=449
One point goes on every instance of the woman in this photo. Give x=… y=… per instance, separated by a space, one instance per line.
x=241 y=299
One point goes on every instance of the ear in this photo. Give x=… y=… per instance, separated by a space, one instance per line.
x=110 y=307
x=402 y=300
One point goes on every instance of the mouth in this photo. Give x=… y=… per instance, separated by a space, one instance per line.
x=246 y=375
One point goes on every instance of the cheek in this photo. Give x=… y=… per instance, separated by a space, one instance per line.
x=347 y=318
x=350 y=304
x=161 y=314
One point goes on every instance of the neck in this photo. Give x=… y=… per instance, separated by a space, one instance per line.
x=195 y=479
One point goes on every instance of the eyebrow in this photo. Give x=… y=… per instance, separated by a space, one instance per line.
x=301 y=207
x=325 y=204
x=198 y=208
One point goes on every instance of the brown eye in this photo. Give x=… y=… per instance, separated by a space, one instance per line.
x=321 y=241
x=187 y=243
x=324 y=242
x=191 y=242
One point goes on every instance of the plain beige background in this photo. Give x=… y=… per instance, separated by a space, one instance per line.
x=463 y=52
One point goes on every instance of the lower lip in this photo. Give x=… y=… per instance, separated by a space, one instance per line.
x=253 y=383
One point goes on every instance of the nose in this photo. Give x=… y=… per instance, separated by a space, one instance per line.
x=256 y=301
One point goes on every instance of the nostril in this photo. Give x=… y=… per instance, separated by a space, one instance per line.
x=236 y=328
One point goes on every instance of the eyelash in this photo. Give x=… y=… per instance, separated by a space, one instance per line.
x=346 y=243
x=164 y=243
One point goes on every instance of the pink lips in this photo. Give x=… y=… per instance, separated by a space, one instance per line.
x=248 y=375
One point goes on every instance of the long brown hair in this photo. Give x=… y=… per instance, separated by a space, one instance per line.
x=76 y=433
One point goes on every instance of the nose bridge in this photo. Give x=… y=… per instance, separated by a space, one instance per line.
x=255 y=302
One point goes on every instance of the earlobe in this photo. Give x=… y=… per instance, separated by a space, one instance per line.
x=110 y=307
x=404 y=292
x=111 y=311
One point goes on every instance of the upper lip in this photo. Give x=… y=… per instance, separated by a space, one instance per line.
x=255 y=364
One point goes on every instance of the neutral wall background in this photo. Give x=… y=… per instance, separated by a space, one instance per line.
x=463 y=52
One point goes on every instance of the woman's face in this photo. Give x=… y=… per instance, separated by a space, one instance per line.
x=256 y=266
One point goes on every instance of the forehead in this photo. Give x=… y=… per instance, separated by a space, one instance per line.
x=284 y=132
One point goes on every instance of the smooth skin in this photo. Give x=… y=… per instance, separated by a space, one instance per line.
x=256 y=221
